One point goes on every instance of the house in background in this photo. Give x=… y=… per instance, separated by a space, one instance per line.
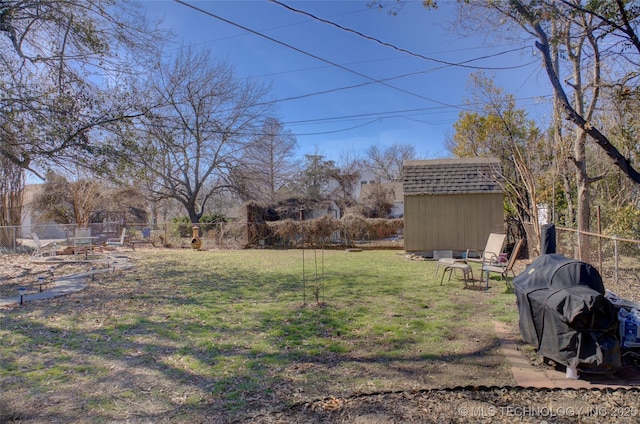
x=395 y=188
x=451 y=204
x=32 y=220
x=366 y=183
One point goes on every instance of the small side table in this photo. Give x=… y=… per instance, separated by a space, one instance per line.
x=452 y=264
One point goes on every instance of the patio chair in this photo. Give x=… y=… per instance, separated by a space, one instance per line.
x=491 y=252
x=503 y=268
x=83 y=241
x=43 y=249
x=117 y=242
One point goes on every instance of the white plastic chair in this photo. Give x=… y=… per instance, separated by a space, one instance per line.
x=43 y=249
x=117 y=242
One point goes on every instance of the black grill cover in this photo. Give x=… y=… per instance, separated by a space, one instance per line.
x=565 y=315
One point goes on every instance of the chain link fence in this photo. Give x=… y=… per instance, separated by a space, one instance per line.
x=218 y=235
x=616 y=259
x=169 y=235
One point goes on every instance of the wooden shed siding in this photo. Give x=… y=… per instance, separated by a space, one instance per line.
x=451 y=222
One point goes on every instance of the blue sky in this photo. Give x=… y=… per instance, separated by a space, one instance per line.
x=370 y=93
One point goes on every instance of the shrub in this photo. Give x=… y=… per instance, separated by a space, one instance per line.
x=209 y=222
x=286 y=230
x=181 y=226
x=353 y=227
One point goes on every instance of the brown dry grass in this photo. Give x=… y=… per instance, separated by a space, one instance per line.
x=222 y=337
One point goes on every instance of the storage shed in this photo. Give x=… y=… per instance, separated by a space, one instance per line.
x=451 y=204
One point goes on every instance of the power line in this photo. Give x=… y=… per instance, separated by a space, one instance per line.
x=362 y=115
x=400 y=49
x=332 y=90
x=314 y=56
x=265 y=29
x=339 y=66
x=402 y=113
x=340 y=130
x=344 y=68
x=378 y=116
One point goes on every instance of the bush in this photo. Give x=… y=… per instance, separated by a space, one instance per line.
x=210 y=222
x=624 y=222
x=182 y=227
x=353 y=227
x=285 y=231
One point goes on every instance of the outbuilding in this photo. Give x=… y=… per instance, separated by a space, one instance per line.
x=451 y=205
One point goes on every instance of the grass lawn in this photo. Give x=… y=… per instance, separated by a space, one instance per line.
x=214 y=336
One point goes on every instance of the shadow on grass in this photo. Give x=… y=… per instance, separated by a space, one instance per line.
x=203 y=344
x=257 y=385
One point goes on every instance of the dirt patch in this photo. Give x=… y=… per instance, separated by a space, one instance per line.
x=464 y=405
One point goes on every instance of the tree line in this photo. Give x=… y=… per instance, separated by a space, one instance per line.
x=94 y=105
x=586 y=159
x=88 y=90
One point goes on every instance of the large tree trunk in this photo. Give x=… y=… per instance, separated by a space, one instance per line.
x=581 y=120
x=584 y=198
x=577 y=112
x=11 y=191
x=194 y=217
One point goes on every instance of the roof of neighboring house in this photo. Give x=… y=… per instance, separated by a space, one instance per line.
x=452 y=176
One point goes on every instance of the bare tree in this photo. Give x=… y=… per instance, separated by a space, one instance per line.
x=378 y=200
x=622 y=123
x=188 y=146
x=503 y=131
x=70 y=202
x=595 y=24
x=580 y=39
x=267 y=164
x=386 y=164
x=87 y=200
x=347 y=176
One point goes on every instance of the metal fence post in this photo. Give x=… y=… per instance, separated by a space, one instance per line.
x=615 y=255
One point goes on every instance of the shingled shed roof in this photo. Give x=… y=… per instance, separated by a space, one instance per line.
x=451 y=176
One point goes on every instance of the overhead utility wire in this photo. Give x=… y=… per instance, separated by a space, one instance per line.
x=337 y=65
x=347 y=87
x=361 y=115
x=400 y=49
x=397 y=57
x=265 y=29
x=363 y=84
x=343 y=67
x=402 y=113
x=340 y=130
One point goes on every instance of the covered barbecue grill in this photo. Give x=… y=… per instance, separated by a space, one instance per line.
x=566 y=316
